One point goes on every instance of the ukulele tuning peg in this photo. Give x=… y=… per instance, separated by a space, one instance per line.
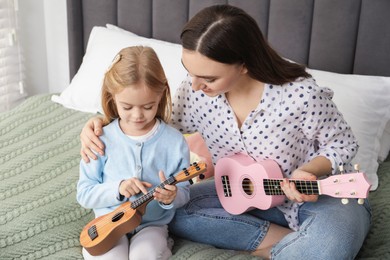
x=201 y=176
x=345 y=201
x=356 y=167
x=191 y=181
x=360 y=201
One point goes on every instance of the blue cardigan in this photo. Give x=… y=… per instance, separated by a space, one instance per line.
x=167 y=150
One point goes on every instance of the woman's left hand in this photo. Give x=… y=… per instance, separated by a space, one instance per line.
x=291 y=191
x=166 y=195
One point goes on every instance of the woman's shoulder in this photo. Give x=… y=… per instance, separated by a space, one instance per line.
x=309 y=86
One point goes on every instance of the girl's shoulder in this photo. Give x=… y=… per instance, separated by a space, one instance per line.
x=170 y=131
x=111 y=131
x=112 y=126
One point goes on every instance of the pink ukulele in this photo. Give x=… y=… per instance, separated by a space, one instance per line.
x=243 y=184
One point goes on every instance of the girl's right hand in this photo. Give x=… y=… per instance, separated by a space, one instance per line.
x=133 y=186
x=89 y=138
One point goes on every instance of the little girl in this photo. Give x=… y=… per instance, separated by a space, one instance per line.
x=140 y=148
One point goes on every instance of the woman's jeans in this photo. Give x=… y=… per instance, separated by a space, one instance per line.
x=328 y=228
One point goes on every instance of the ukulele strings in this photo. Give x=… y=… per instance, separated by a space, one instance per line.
x=108 y=220
x=272 y=184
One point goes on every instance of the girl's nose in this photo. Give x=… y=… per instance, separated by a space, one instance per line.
x=138 y=114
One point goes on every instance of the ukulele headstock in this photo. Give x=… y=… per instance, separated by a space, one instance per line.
x=347 y=185
x=194 y=170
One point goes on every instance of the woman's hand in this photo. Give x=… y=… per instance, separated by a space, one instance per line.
x=133 y=186
x=291 y=191
x=166 y=195
x=89 y=138
x=317 y=167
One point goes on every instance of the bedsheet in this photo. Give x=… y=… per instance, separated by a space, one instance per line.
x=39 y=215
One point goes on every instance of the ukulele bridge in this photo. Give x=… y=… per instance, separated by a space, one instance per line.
x=92 y=232
x=226 y=186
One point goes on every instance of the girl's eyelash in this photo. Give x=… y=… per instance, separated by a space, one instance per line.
x=129 y=108
x=210 y=80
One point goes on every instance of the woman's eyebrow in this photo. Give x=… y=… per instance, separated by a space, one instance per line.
x=198 y=76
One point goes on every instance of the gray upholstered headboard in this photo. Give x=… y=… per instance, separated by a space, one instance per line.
x=349 y=36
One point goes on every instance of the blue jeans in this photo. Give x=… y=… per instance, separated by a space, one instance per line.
x=328 y=228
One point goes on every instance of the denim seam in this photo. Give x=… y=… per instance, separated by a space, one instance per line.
x=263 y=231
x=301 y=233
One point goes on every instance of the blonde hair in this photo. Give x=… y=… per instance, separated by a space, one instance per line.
x=131 y=66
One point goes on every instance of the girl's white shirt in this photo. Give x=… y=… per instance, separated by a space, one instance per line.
x=147 y=136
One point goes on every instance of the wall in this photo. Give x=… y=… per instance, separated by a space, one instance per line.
x=43 y=37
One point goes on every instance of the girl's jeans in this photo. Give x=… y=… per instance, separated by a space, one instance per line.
x=328 y=228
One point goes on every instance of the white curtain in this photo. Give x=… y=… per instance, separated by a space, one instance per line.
x=11 y=69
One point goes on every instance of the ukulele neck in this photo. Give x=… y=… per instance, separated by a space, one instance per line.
x=149 y=196
x=272 y=187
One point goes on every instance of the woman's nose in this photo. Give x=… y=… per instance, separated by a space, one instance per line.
x=196 y=84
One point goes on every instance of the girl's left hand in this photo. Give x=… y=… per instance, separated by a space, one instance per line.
x=291 y=191
x=166 y=195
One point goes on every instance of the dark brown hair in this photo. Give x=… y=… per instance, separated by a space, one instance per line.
x=129 y=67
x=227 y=34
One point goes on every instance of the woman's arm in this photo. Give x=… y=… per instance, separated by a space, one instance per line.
x=89 y=138
x=324 y=125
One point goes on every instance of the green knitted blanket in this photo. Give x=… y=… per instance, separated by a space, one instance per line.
x=39 y=215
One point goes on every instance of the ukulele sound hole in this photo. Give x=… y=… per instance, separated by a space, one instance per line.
x=118 y=216
x=247 y=186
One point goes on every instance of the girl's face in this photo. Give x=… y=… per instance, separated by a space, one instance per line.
x=213 y=78
x=137 y=108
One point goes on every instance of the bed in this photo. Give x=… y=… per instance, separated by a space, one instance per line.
x=346 y=45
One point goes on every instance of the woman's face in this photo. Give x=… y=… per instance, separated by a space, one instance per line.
x=137 y=108
x=213 y=78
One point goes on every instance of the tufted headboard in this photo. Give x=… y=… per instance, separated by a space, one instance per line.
x=349 y=36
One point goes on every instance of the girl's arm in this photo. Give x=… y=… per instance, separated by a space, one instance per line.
x=176 y=195
x=92 y=191
x=183 y=188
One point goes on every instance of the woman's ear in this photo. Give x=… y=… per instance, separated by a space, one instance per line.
x=244 y=69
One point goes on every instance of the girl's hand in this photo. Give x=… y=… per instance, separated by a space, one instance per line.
x=89 y=138
x=166 y=195
x=133 y=186
x=290 y=190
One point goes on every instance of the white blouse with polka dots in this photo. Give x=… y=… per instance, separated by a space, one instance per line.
x=292 y=124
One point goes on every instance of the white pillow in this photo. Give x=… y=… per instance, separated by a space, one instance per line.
x=385 y=144
x=83 y=93
x=364 y=102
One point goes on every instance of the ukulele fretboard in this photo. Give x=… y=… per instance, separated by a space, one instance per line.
x=148 y=196
x=272 y=187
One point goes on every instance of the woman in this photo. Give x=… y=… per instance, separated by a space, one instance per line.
x=242 y=97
